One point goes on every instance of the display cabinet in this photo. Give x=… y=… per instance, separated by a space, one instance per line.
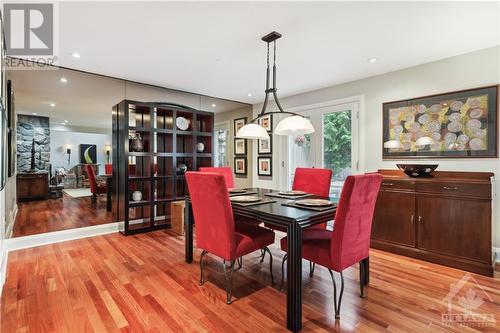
x=154 y=144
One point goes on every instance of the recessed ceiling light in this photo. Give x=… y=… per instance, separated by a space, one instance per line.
x=213 y=105
x=63 y=80
x=372 y=59
x=249 y=95
x=53 y=104
x=75 y=55
x=65 y=121
x=34 y=113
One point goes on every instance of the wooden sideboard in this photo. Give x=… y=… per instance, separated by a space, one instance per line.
x=32 y=186
x=444 y=218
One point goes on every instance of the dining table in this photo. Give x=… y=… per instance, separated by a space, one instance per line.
x=109 y=189
x=276 y=212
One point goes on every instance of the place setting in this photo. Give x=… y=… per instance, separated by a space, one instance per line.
x=312 y=204
x=250 y=200
x=240 y=191
x=294 y=194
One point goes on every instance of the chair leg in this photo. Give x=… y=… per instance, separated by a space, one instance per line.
x=262 y=255
x=366 y=270
x=335 y=304
x=312 y=266
x=266 y=249
x=228 y=277
x=362 y=279
x=239 y=261
x=282 y=285
x=202 y=281
x=94 y=201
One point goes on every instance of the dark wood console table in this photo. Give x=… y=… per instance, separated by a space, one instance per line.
x=32 y=186
x=444 y=218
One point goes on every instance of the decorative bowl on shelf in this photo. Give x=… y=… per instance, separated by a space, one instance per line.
x=200 y=147
x=417 y=170
x=181 y=168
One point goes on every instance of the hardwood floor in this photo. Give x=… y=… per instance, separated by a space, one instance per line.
x=140 y=283
x=36 y=217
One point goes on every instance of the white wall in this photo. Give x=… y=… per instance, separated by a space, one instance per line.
x=476 y=69
x=60 y=139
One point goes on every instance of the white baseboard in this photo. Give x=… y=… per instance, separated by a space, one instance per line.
x=13 y=215
x=18 y=243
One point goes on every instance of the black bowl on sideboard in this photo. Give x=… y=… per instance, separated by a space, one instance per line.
x=417 y=170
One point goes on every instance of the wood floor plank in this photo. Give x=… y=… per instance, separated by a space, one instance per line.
x=140 y=283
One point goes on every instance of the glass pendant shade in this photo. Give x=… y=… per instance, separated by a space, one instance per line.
x=294 y=125
x=252 y=131
x=393 y=144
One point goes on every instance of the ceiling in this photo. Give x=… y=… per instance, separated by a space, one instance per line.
x=214 y=48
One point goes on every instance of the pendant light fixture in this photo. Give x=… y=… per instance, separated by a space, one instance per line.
x=295 y=124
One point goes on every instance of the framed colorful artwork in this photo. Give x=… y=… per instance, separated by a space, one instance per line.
x=240 y=165
x=267 y=122
x=240 y=146
x=460 y=124
x=88 y=154
x=265 y=146
x=264 y=166
x=239 y=123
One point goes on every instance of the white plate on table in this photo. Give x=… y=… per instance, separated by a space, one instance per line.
x=246 y=198
x=314 y=202
x=292 y=193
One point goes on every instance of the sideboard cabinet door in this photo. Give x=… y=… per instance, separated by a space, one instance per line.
x=455 y=227
x=394 y=219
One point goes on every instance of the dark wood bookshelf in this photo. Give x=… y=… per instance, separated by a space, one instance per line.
x=153 y=171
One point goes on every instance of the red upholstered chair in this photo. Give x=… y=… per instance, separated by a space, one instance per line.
x=349 y=242
x=108 y=169
x=227 y=172
x=95 y=187
x=216 y=231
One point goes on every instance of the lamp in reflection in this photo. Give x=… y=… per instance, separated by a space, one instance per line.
x=108 y=152
x=68 y=151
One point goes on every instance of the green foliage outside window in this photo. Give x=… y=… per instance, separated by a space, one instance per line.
x=337 y=143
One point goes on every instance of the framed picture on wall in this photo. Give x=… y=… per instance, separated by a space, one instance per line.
x=88 y=154
x=240 y=165
x=265 y=146
x=460 y=124
x=264 y=166
x=267 y=122
x=240 y=147
x=239 y=123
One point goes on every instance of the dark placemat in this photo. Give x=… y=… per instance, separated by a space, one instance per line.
x=277 y=195
x=242 y=193
x=318 y=209
x=248 y=204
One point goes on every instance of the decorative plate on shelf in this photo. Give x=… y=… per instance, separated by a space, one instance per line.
x=182 y=123
x=314 y=202
x=246 y=198
x=291 y=193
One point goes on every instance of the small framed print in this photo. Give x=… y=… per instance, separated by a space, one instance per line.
x=265 y=146
x=264 y=166
x=267 y=122
x=240 y=146
x=240 y=165
x=239 y=123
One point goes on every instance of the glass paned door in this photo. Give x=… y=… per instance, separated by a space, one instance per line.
x=221 y=137
x=332 y=146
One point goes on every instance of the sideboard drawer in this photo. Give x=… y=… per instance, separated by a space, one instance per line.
x=390 y=184
x=456 y=189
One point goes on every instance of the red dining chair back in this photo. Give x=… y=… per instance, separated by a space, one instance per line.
x=227 y=172
x=212 y=212
x=216 y=231
x=108 y=169
x=313 y=180
x=95 y=188
x=353 y=220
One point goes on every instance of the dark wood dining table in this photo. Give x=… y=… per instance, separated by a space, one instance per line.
x=109 y=190
x=295 y=220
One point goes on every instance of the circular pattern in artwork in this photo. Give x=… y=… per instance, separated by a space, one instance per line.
x=455 y=126
x=434 y=126
x=414 y=127
x=436 y=108
x=454 y=116
x=480 y=133
x=476 y=144
x=409 y=118
x=406 y=145
x=462 y=139
x=424 y=119
x=398 y=129
x=473 y=125
x=422 y=108
x=474 y=102
x=436 y=136
x=476 y=113
x=456 y=105
x=450 y=138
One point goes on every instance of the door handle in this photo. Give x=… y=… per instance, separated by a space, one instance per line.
x=420 y=219
x=387 y=184
x=450 y=188
x=412 y=218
